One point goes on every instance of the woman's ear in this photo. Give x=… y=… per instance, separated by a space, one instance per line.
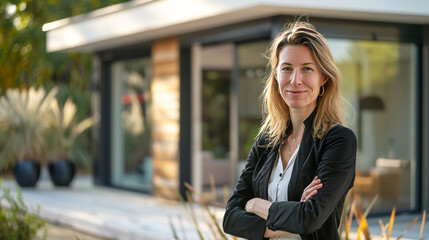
x=325 y=80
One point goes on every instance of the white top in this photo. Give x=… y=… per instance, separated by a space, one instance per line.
x=278 y=185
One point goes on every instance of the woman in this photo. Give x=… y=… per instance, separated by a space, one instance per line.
x=301 y=145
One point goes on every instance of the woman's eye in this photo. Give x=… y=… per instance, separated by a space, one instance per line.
x=286 y=69
x=308 y=69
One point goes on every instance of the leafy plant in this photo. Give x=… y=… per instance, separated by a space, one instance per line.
x=64 y=128
x=16 y=223
x=81 y=151
x=24 y=60
x=22 y=123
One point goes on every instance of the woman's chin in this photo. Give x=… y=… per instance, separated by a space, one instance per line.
x=301 y=105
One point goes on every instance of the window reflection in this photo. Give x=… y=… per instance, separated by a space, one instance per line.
x=217 y=65
x=131 y=125
x=252 y=65
x=379 y=85
x=215 y=112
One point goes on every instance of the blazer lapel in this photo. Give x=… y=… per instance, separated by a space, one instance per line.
x=266 y=172
x=268 y=166
x=303 y=152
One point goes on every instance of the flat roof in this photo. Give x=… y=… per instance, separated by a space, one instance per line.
x=145 y=20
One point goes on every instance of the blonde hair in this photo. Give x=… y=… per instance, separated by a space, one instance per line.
x=276 y=112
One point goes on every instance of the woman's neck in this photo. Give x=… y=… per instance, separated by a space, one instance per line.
x=297 y=117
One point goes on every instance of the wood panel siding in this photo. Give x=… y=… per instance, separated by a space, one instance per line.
x=165 y=117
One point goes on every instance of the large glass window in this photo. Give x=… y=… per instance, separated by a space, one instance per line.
x=217 y=82
x=131 y=124
x=252 y=66
x=379 y=89
x=379 y=84
x=215 y=112
x=232 y=82
x=217 y=64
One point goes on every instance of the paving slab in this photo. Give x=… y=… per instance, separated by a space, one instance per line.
x=61 y=232
x=118 y=214
x=112 y=213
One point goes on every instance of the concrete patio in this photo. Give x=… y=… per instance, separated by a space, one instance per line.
x=118 y=214
x=110 y=213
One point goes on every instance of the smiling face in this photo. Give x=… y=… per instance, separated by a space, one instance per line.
x=299 y=78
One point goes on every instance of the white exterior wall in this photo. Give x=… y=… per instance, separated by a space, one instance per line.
x=144 y=20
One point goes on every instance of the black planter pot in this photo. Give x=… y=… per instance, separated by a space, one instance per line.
x=61 y=172
x=26 y=173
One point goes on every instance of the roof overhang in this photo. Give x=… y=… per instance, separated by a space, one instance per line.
x=145 y=20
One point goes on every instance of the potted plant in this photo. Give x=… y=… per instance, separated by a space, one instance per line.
x=64 y=128
x=22 y=124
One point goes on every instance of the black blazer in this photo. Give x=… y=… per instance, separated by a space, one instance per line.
x=332 y=159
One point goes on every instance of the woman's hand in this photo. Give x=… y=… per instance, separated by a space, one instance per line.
x=259 y=207
x=311 y=189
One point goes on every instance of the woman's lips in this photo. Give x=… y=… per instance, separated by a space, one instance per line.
x=296 y=92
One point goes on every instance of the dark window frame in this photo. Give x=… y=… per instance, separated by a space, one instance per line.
x=102 y=168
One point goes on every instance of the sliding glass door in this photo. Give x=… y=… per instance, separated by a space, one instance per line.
x=131 y=163
x=379 y=86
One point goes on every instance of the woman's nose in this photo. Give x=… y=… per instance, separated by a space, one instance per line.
x=296 y=78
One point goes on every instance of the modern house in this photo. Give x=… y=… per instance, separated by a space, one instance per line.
x=177 y=84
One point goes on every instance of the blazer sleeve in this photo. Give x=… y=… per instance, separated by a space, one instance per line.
x=237 y=221
x=336 y=169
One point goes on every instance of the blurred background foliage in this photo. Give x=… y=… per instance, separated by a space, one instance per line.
x=24 y=61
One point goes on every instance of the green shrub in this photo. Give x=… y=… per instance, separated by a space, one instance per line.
x=16 y=223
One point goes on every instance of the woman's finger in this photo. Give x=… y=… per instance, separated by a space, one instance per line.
x=308 y=193
x=313 y=183
x=311 y=189
x=317 y=187
x=305 y=199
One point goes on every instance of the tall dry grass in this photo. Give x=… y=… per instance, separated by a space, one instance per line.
x=352 y=210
